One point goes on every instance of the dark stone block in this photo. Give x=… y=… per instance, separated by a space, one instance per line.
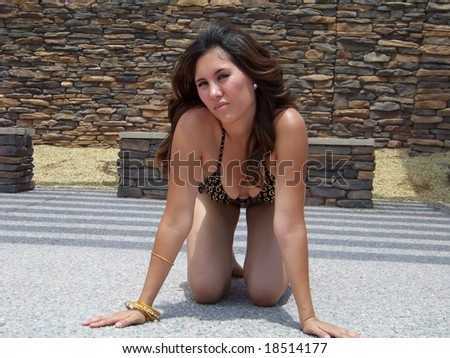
x=14 y=160
x=328 y=192
x=147 y=183
x=360 y=195
x=313 y=201
x=139 y=173
x=346 y=203
x=350 y=174
x=129 y=192
x=140 y=145
x=130 y=163
x=15 y=188
x=353 y=184
x=11 y=139
x=155 y=194
x=134 y=154
x=127 y=182
x=11 y=150
x=15 y=167
x=366 y=166
x=14 y=181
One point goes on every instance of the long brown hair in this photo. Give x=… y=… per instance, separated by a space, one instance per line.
x=255 y=61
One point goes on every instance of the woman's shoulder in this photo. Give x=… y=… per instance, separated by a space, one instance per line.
x=197 y=119
x=288 y=120
x=194 y=127
x=291 y=138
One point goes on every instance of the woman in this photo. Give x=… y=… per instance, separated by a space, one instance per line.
x=236 y=141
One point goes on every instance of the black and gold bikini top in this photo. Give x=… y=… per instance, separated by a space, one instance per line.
x=212 y=186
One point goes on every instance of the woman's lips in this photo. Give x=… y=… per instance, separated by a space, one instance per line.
x=220 y=106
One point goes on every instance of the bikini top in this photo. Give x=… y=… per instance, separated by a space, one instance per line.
x=212 y=186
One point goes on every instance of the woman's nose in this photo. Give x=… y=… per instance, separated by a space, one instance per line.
x=215 y=91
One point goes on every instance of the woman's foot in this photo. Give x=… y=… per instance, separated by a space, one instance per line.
x=236 y=269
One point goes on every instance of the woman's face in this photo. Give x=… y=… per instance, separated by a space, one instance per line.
x=226 y=91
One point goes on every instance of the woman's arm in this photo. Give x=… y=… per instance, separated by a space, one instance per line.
x=291 y=151
x=291 y=148
x=184 y=173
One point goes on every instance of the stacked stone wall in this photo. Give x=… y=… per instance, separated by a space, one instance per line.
x=340 y=171
x=79 y=72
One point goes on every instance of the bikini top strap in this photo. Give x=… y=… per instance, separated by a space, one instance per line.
x=222 y=143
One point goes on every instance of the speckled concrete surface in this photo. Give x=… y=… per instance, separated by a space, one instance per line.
x=69 y=254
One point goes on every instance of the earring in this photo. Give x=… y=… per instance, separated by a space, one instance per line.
x=255 y=86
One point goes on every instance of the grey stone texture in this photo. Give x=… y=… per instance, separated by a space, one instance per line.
x=80 y=72
x=340 y=171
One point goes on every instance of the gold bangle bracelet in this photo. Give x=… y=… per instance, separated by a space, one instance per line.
x=162 y=258
x=151 y=311
x=132 y=306
x=148 y=311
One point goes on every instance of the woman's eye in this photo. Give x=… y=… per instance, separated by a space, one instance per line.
x=201 y=84
x=223 y=76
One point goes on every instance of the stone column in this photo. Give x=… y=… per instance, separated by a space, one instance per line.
x=137 y=170
x=340 y=172
x=16 y=160
x=431 y=116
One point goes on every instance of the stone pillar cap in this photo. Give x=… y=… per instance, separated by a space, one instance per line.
x=142 y=135
x=348 y=142
x=17 y=131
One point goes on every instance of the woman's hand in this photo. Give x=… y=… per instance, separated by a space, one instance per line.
x=321 y=329
x=119 y=319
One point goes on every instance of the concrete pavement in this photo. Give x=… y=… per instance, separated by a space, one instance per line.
x=69 y=254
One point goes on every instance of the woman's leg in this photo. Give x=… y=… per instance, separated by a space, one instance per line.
x=210 y=249
x=264 y=271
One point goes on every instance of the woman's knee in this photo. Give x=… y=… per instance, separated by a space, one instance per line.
x=208 y=291
x=264 y=296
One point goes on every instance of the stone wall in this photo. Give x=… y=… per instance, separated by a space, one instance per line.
x=81 y=71
x=340 y=171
